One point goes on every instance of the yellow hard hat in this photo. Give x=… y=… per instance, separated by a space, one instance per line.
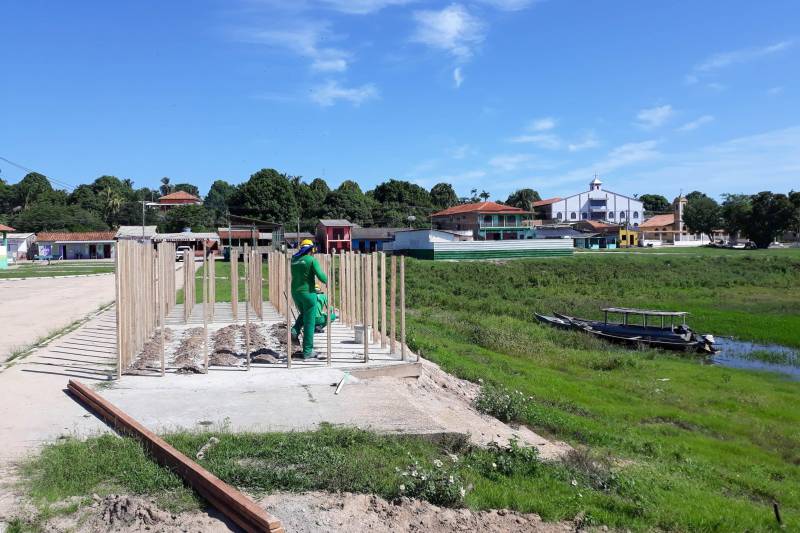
x=306 y=242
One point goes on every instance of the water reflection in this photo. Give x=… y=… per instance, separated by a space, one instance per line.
x=753 y=356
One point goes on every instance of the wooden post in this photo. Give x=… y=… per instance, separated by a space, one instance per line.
x=364 y=310
x=245 y=262
x=383 y=299
x=205 y=309
x=287 y=280
x=120 y=247
x=403 y=307
x=234 y=262
x=374 y=297
x=331 y=295
x=162 y=282
x=393 y=318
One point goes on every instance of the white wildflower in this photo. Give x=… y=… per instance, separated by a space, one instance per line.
x=453 y=457
x=462 y=492
x=437 y=463
x=452 y=480
x=574 y=482
x=402 y=488
x=494 y=465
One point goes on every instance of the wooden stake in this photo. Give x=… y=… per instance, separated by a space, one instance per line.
x=205 y=309
x=393 y=318
x=331 y=300
x=246 y=262
x=403 y=307
x=383 y=300
x=288 y=314
x=374 y=297
x=161 y=304
x=120 y=246
x=364 y=310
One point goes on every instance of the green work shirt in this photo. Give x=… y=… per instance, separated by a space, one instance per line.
x=305 y=271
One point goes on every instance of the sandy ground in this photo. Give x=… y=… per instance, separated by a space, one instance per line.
x=36 y=307
x=310 y=512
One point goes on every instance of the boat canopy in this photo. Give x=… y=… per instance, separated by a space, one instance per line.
x=649 y=312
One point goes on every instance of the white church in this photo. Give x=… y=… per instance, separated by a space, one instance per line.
x=595 y=204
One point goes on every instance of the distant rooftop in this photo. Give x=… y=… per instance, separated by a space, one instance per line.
x=74 y=236
x=480 y=207
x=178 y=195
x=133 y=232
x=336 y=222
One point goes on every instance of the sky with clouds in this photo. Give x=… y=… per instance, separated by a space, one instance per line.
x=655 y=97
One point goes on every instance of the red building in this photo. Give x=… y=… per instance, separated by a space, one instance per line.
x=177 y=198
x=334 y=235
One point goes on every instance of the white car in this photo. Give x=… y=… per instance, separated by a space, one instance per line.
x=179 y=252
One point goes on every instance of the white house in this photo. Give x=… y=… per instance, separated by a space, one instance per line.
x=454 y=245
x=596 y=204
x=18 y=245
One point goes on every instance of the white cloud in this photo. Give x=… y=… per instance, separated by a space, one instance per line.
x=509 y=162
x=588 y=141
x=509 y=5
x=363 y=7
x=452 y=29
x=458 y=77
x=542 y=124
x=725 y=59
x=331 y=92
x=654 y=117
x=694 y=124
x=774 y=91
x=304 y=39
x=460 y=152
x=547 y=141
x=766 y=161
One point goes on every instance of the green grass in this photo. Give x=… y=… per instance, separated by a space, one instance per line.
x=705 y=447
x=334 y=460
x=65 y=268
x=223 y=281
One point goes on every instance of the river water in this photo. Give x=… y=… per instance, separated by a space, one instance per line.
x=753 y=356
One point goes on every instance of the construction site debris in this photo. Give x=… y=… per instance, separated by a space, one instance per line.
x=190 y=349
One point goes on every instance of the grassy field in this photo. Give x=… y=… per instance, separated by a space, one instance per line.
x=697 y=447
x=60 y=268
x=665 y=442
x=223 y=280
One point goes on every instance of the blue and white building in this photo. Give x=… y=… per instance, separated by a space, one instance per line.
x=596 y=204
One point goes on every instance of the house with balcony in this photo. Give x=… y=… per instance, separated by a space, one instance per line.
x=488 y=221
x=334 y=235
x=177 y=199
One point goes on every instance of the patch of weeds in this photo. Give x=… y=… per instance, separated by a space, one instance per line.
x=436 y=482
x=508 y=460
x=502 y=403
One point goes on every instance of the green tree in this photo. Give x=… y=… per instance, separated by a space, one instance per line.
x=770 y=215
x=268 y=195
x=111 y=202
x=349 y=202
x=219 y=199
x=34 y=187
x=702 y=215
x=443 y=196
x=794 y=197
x=694 y=195
x=523 y=198
x=484 y=195
x=196 y=217
x=165 y=187
x=57 y=217
x=655 y=203
x=736 y=210
x=398 y=203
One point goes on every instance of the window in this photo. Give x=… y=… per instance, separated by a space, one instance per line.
x=611 y=214
x=572 y=215
x=585 y=215
x=622 y=214
x=636 y=214
x=635 y=224
x=487 y=219
x=559 y=215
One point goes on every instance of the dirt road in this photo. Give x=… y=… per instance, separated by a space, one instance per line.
x=36 y=307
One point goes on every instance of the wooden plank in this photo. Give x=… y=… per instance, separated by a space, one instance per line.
x=363 y=282
x=331 y=288
x=288 y=313
x=403 y=307
x=393 y=318
x=229 y=501
x=384 y=339
x=403 y=370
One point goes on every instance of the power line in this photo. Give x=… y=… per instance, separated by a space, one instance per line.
x=53 y=181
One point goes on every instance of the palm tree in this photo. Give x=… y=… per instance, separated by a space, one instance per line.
x=112 y=203
x=484 y=195
x=165 y=188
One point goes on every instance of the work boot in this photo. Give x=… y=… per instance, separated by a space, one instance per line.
x=313 y=355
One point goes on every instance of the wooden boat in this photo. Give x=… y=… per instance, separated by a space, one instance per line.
x=678 y=337
x=554 y=321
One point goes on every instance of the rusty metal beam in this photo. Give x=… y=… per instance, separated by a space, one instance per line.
x=229 y=501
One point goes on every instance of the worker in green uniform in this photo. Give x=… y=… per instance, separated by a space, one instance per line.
x=320 y=315
x=305 y=272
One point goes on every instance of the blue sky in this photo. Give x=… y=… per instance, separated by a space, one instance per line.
x=655 y=97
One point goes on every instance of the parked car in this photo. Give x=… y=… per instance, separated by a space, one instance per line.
x=179 y=252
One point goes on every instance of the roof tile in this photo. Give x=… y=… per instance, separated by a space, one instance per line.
x=480 y=207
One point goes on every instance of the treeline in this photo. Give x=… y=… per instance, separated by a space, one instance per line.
x=108 y=202
x=760 y=218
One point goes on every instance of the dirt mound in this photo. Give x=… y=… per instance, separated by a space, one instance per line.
x=190 y=349
x=321 y=511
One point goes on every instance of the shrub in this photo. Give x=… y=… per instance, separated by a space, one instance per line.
x=438 y=483
x=502 y=403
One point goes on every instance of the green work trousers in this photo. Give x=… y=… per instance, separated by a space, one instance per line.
x=307 y=306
